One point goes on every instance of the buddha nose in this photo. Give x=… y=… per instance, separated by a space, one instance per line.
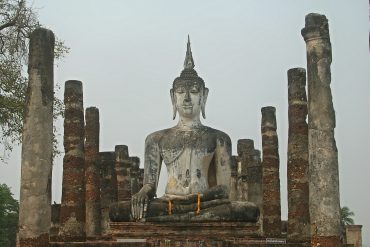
x=187 y=97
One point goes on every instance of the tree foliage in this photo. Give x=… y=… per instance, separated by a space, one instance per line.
x=8 y=217
x=17 y=21
x=346 y=216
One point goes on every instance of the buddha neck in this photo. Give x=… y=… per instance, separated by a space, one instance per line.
x=189 y=123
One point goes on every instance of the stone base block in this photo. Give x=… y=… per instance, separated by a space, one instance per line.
x=184 y=231
x=206 y=234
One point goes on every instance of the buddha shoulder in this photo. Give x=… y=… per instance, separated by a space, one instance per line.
x=157 y=136
x=221 y=137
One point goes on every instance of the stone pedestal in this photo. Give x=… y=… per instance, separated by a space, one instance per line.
x=323 y=154
x=72 y=212
x=354 y=235
x=298 y=213
x=37 y=143
x=270 y=174
x=92 y=176
x=217 y=232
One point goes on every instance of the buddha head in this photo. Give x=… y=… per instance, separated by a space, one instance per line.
x=188 y=93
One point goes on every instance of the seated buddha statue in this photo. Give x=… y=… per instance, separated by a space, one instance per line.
x=198 y=161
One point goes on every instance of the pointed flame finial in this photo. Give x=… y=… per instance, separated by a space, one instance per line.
x=189 y=61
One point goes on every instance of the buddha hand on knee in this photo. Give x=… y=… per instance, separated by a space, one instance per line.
x=140 y=201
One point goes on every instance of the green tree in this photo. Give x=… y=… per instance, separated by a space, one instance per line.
x=8 y=217
x=346 y=216
x=17 y=21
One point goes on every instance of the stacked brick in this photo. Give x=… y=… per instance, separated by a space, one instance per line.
x=122 y=167
x=270 y=174
x=141 y=178
x=92 y=176
x=134 y=174
x=244 y=147
x=298 y=229
x=72 y=212
x=234 y=178
x=108 y=187
x=255 y=179
x=55 y=221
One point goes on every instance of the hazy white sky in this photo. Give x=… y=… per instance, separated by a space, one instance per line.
x=127 y=53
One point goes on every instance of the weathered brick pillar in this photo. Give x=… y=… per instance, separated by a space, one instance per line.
x=323 y=154
x=234 y=178
x=92 y=176
x=55 y=221
x=72 y=212
x=141 y=178
x=298 y=213
x=270 y=174
x=37 y=143
x=256 y=192
x=108 y=187
x=254 y=178
x=122 y=167
x=244 y=148
x=134 y=174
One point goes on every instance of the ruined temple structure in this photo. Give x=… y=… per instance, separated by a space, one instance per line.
x=215 y=200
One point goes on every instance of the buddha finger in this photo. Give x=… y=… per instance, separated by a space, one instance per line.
x=145 y=207
x=141 y=209
x=134 y=205
x=132 y=210
x=137 y=205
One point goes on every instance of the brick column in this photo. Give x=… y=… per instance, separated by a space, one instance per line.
x=254 y=178
x=108 y=187
x=245 y=149
x=92 y=176
x=134 y=174
x=323 y=154
x=141 y=178
x=298 y=213
x=270 y=174
x=37 y=143
x=256 y=191
x=122 y=168
x=72 y=212
x=234 y=178
x=55 y=222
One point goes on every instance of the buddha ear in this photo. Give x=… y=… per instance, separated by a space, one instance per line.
x=204 y=101
x=173 y=103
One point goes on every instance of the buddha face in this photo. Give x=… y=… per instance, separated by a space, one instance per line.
x=188 y=98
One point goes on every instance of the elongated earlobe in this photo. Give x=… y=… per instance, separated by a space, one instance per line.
x=173 y=104
x=203 y=103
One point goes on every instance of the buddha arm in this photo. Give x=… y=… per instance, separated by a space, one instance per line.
x=223 y=160
x=152 y=165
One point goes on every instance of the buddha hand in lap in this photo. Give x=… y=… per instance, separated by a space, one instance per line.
x=198 y=161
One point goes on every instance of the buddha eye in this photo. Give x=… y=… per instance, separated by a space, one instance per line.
x=194 y=90
x=180 y=90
